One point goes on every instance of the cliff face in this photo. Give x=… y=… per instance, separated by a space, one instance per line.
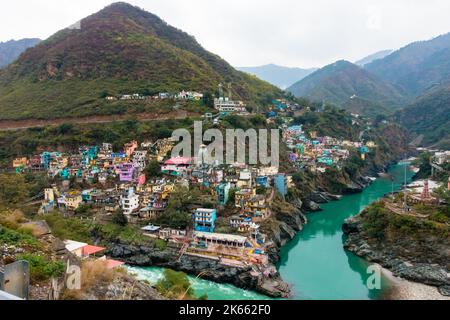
x=411 y=251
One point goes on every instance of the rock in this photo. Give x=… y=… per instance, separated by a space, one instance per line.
x=311 y=206
x=444 y=290
x=319 y=197
x=350 y=226
x=424 y=273
x=353 y=188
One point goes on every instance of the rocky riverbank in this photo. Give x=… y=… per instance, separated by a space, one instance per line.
x=288 y=218
x=210 y=269
x=418 y=256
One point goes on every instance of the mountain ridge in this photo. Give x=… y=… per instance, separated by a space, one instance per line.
x=280 y=76
x=417 y=66
x=373 y=57
x=120 y=49
x=12 y=49
x=338 y=82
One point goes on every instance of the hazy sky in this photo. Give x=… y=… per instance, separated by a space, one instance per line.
x=253 y=32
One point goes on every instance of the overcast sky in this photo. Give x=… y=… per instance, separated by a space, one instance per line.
x=300 y=33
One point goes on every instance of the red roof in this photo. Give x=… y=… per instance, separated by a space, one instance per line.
x=111 y=264
x=88 y=250
x=178 y=161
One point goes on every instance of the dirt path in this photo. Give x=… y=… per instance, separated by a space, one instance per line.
x=9 y=125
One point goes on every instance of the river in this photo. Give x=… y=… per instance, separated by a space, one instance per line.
x=315 y=262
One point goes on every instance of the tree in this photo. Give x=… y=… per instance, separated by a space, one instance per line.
x=153 y=169
x=119 y=218
x=208 y=99
x=13 y=189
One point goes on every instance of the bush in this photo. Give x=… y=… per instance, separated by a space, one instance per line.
x=69 y=228
x=17 y=238
x=120 y=219
x=42 y=269
x=175 y=285
x=376 y=221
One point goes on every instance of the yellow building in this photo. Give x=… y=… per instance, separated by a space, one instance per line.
x=73 y=200
x=20 y=162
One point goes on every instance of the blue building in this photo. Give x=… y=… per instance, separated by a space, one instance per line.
x=223 y=192
x=205 y=220
x=262 y=181
x=280 y=183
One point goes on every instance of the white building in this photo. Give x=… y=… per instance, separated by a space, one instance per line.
x=226 y=105
x=129 y=201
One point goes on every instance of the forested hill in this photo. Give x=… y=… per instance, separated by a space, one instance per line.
x=119 y=50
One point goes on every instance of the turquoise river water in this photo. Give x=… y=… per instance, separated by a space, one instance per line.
x=315 y=262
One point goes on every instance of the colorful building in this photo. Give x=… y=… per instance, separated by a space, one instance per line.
x=205 y=219
x=223 y=191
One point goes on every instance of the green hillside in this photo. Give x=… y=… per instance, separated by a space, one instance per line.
x=341 y=81
x=119 y=50
x=365 y=107
x=416 y=67
x=429 y=115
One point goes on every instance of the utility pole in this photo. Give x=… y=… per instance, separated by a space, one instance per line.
x=405 y=203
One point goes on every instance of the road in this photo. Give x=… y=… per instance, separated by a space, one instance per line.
x=10 y=125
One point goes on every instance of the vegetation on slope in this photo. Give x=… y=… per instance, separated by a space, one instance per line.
x=416 y=67
x=338 y=82
x=119 y=50
x=429 y=115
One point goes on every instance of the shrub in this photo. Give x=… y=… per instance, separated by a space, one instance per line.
x=175 y=285
x=41 y=268
x=17 y=238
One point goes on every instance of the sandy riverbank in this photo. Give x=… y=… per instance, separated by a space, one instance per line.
x=408 y=290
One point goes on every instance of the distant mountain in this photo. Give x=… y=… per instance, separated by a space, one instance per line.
x=429 y=116
x=376 y=56
x=416 y=67
x=279 y=76
x=11 y=50
x=121 y=49
x=343 y=80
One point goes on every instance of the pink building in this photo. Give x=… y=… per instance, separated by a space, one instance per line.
x=126 y=172
x=130 y=147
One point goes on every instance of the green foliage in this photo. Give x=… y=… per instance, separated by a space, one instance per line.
x=84 y=211
x=160 y=244
x=208 y=99
x=177 y=214
x=337 y=82
x=111 y=232
x=42 y=268
x=429 y=115
x=379 y=222
x=13 y=189
x=376 y=221
x=175 y=285
x=153 y=169
x=28 y=142
x=17 y=237
x=119 y=218
x=69 y=228
x=61 y=77
x=332 y=122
